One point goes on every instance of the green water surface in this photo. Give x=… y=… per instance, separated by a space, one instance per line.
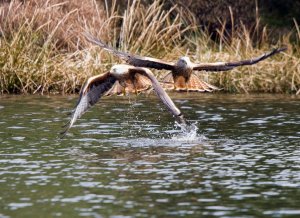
x=127 y=158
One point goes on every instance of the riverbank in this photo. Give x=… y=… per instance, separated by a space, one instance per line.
x=42 y=49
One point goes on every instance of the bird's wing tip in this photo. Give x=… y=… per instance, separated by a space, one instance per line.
x=63 y=133
x=280 y=49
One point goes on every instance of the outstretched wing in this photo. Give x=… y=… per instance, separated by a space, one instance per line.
x=161 y=93
x=91 y=92
x=223 y=66
x=131 y=59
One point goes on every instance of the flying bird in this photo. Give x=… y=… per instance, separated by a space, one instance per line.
x=182 y=76
x=125 y=76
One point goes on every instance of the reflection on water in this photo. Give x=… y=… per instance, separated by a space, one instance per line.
x=128 y=158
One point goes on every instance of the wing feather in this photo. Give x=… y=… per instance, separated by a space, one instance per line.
x=223 y=66
x=161 y=93
x=116 y=89
x=131 y=59
x=91 y=92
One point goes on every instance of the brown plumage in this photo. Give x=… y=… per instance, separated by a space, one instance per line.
x=125 y=76
x=194 y=84
x=182 y=70
x=134 y=83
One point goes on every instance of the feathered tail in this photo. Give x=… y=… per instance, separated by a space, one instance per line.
x=195 y=84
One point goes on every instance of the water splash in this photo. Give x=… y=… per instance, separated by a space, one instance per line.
x=189 y=133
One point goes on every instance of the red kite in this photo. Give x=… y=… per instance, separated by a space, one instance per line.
x=182 y=76
x=126 y=76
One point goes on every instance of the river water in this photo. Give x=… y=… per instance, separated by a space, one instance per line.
x=127 y=158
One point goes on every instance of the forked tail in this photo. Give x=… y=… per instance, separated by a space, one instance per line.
x=195 y=84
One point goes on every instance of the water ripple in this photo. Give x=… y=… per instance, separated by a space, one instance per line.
x=239 y=158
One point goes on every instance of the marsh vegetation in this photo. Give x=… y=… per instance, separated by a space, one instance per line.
x=42 y=49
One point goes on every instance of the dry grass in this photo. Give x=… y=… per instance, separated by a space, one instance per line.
x=59 y=21
x=278 y=74
x=42 y=49
x=40 y=44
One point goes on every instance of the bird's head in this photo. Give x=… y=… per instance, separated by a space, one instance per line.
x=184 y=62
x=119 y=70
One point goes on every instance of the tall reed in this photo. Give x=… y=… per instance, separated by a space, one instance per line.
x=278 y=74
x=43 y=51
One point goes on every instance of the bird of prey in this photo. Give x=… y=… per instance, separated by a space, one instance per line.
x=182 y=76
x=126 y=76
